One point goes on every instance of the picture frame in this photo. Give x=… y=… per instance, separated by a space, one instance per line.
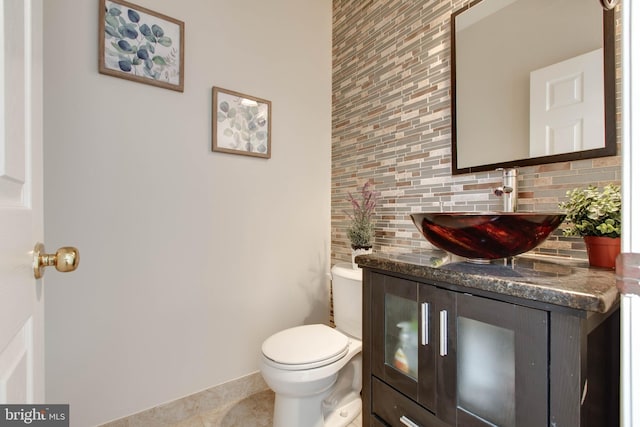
x=241 y=124
x=138 y=44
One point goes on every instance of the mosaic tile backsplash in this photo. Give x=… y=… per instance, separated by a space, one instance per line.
x=391 y=122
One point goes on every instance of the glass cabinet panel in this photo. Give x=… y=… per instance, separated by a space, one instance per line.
x=486 y=371
x=500 y=364
x=401 y=334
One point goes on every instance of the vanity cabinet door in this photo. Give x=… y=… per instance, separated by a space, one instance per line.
x=497 y=362
x=400 y=357
x=437 y=314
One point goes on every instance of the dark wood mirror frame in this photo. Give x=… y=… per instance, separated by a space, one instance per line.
x=610 y=147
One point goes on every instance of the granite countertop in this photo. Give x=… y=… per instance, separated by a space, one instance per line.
x=563 y=282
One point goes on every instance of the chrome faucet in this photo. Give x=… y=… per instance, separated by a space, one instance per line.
x=509 y=189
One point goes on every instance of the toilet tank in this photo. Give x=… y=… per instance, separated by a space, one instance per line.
x=347 y=299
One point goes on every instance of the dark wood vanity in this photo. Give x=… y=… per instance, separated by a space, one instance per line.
x=529 y=342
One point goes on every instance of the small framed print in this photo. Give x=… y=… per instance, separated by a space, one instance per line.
x=138 y=44
x=241 y=124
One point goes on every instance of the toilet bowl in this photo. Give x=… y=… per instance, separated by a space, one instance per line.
x=315 y=370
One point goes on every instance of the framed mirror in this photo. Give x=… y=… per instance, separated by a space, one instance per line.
x=533 y=82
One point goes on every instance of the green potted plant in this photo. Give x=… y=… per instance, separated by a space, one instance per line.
x=596 y=216
x=360 y=232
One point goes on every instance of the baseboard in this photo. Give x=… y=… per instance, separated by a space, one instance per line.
x=195 y=404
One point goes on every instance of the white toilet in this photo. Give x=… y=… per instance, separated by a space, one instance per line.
x=315 y=370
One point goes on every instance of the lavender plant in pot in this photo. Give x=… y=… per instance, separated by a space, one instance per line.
x=596 y=216
x=361 y=231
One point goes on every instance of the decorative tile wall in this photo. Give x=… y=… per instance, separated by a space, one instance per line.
x=392 y=127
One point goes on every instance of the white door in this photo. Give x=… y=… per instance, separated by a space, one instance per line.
x=21 y=213
x=630 y=301
x=566 y=106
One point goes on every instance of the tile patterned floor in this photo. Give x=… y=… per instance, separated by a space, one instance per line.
x=254 y=411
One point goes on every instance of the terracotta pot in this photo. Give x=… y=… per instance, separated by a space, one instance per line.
x=602 y=251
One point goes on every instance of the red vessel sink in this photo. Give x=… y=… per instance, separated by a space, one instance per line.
x=483 y=236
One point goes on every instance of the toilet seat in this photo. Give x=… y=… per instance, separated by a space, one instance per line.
x=305 y=347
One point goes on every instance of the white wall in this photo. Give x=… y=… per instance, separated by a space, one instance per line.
x=189 y=258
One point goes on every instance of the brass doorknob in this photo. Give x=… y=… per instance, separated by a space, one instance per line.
x=65 y=259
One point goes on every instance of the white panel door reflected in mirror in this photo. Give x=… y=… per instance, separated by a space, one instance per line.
x=567 y=106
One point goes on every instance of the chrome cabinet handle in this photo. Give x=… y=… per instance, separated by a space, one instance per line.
x=425 y=323
x=407 y=422
x=443 y=332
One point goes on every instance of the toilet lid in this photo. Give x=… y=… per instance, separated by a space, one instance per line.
x=308 y=346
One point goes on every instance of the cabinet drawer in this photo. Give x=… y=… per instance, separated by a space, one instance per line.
x=397 y=410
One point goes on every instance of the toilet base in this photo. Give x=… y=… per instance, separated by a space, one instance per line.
x=344 y=415
x=337 y=405
x=296 y=412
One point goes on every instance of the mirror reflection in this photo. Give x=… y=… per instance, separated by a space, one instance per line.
x=532 y=82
